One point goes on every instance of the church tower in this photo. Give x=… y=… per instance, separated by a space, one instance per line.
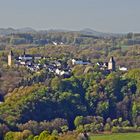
x=112 y=64
x=10 y=58
x=24 y=53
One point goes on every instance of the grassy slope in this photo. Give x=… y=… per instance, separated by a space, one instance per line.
x=128 y=136
x=122 y=136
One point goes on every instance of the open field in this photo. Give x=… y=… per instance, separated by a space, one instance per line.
x=126 y=136
x=120 y=136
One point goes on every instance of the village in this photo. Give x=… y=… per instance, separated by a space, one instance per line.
x=36 y=62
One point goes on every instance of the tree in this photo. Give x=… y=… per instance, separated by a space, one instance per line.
x=107 y=127
x=9 y=136
x=79 y=120
x=64 y=128
x=43 y=135
x=55 y=83
x=134 y=112
x=103 y=109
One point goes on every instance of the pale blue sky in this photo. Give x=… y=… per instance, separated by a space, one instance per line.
x=100 y=15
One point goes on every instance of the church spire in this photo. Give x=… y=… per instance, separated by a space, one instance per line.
x=112 y=64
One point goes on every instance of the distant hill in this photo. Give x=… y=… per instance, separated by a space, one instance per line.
x=6 y=31
x=87 y=31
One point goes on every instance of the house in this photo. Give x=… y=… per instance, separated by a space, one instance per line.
x=79 y=62
x=58 y=71
x=29 y=57
x=64 y=73
x=123 y=69
x=22 y=62
x=37 y=57
x=102 y=65
x=55 y=43
x=25 y=57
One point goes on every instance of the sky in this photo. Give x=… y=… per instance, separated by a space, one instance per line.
x=117 y=16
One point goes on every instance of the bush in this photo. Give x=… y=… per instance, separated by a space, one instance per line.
x=55 y=132
x=79 y=120
x=99 y=127
x=115 y=129
x=93 y=128
x=124 y=129
x=9 y=136
x=115 y=122
x=87 y=127
x=125 y=123
x=80 y=128
x=107 y=127
x=128 y=129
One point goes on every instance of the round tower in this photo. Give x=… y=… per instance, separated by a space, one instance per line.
x=10 y=58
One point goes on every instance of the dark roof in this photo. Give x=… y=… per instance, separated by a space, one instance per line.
x=27 y=55
x=11 y=53
x=37 y=55
x=112 y=59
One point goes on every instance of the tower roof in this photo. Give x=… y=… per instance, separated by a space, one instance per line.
x=111 y=60
x=11 y=53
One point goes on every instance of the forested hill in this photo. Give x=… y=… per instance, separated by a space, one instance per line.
x=53 y=96
x=94 y=95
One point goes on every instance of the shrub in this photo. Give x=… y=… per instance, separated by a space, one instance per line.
x=87 y=127
x=79 y=120
x=125 y=123
x=115 y=129
x=107 y=127
x=80 y=128
x=128 y=129
x=9 y=136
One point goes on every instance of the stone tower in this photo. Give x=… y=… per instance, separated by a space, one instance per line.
x=24 y=53
x=10 y=58
x=112 y=64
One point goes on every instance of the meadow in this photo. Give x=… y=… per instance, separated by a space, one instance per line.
x=122 y=136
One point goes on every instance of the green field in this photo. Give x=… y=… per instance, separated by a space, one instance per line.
x=128 y=136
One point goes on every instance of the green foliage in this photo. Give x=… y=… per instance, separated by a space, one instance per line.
x=64 y=128
x=79 y=120
x=80 y=100
x=115 y=129
x=55 y=83
x=43 y=135
x=103 y=109
x=125 y=136
x=134 y=111
x=107 y=127
x=9 y=136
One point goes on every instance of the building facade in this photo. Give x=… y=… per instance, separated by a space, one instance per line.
x=112 y=64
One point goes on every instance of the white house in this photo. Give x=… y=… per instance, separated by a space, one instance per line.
x=57 y=71
x=37 y=56
x=25 y=57
x=79 y=62
x=62 y=72
x=55 y=43
x=123 y=69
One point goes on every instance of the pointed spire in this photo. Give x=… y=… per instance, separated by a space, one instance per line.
x=24 y=53
x=11 y=53
x=111 y=60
